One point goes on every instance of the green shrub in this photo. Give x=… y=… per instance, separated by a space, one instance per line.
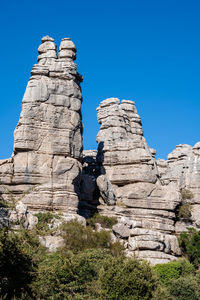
x=127 y=279
x=70 y=276
x=54 y=275
x=197 y=278
x=190 y=245
x=184 y=211
x=173 y=270
x=87 y=267
x=184 y=288
x=79 y=238
x=44 y=219
x=19 y=254
x=105 y=221
x=186 y=194
x=116 y=249
x=162 y=293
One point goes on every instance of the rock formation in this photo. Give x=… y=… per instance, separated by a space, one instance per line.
x=183 y=168
x=45 y=166
x=145 y=207
x=49 y=171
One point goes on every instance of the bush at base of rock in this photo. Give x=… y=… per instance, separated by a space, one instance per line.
x=127 y=279
x=79 y=238
x=184 y=211
x=19 y=256
x=105 y=221
x=44 y=219
x=70 y=276
x=190 y=245
x=173 y=270
x=184 y=288
x=90 y=267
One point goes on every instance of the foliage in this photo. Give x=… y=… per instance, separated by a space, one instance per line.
x=190 y=245
x=116 y=249
x=70 y=276
x=90 y=267
x=53 y=277
x=162 y=293
x=184 y=288
x=79 y=238
x=184 y=211
x=18 y=261
x=173 y=270
x=186 y=194
x=44 y=219
x=105 y=221
x=123 y=278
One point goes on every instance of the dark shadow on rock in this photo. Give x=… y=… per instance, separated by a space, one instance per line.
x=100 y=159
x=89 y=193
x=4 y=220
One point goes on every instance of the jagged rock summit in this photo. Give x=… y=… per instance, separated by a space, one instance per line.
x=50 y=171
x=45 y=165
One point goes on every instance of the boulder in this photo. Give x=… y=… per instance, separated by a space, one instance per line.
x=106 y=190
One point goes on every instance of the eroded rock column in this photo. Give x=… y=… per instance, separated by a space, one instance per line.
x=44 y=170
x=145 y=208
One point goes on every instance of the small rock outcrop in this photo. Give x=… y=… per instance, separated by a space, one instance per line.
x=45 y=166
x=183 y=168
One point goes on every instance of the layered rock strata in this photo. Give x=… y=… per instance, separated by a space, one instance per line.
x=44 y=170
x=145 y=208
x=49 y=171
x=183 y=168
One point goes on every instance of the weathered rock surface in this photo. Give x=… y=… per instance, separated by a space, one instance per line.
x=106 y=190
x=145 y=207
x=183 y=168
x=51 y=242
x=18 y=216
x=44 y=170
x=48 y=169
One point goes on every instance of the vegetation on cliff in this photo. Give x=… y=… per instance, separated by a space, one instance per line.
x=89 y=266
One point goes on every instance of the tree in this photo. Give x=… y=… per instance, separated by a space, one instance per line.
x=128 y=279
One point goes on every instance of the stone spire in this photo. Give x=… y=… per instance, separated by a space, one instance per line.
x=67 y=49
x=48 y=137
x=47 y=49
x=145 y=209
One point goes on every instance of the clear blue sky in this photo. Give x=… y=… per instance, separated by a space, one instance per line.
x=144 y=50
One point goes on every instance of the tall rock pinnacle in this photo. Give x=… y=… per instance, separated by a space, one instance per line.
x=144 y=207
x=48 y=137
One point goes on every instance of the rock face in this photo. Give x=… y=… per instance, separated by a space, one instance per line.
x=145 y=207
x=44 y=170
x=183 y=168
